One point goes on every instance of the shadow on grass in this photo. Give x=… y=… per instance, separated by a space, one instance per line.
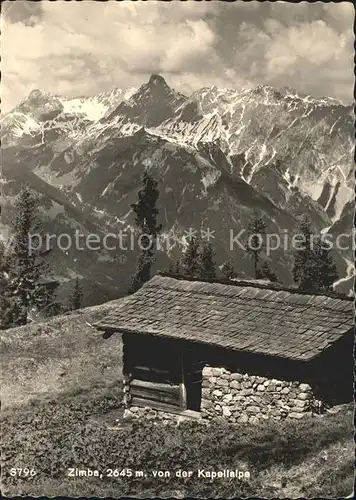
x=55 y=434
x=290 y=442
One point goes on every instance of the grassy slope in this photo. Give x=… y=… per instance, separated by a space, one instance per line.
x=313 y=458
x=62 y=396
x=62 y=355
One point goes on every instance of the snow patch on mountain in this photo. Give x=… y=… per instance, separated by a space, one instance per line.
x=54 y=211
x=261 y=127
x=96 y=107
x=93 y=109
x=42 y=111
x=208 y=180
x=350 y=275
x=79 y=197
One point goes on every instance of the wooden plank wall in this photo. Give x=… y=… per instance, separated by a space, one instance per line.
x=152 y=372
x=149 y=393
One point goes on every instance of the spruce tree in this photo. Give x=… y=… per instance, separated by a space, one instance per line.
x=146 y=213
x=170 y=269
x=46 y=301
x=267 y=273
x=26 y=265
x=190 y=257
x=206 y=264
x=313 y=269
x=142 y=272
x=303 y=267
x=325 y=273
x=173 y=267
x=3 y=269
x=228 y=271
x=145 y=209
x=256 y=231
x=5 y=306
x=76 y=297
x=177 y=268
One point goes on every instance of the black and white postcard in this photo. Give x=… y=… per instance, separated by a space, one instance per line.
x=177 y=249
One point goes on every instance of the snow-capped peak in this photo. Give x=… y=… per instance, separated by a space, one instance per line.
x=98 y=106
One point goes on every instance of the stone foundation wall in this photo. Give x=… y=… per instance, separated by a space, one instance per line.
x=147 y=413
x=241 y=397
x=237 y=397
x=137 y=412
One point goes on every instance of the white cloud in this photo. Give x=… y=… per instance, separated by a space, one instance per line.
x=81 y=48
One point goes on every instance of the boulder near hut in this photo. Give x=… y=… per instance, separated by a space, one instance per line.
x=243 y=351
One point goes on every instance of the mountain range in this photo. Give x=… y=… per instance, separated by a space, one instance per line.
x=218 y=155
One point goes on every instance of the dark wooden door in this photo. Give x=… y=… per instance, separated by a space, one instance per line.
x=192 y=376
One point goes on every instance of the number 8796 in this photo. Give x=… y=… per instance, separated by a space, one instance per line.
x=22 y=472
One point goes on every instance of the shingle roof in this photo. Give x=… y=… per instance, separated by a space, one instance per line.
x=239 y=317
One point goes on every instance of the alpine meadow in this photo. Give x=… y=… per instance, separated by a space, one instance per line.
x=177 y=249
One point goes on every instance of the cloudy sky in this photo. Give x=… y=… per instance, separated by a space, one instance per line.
x=82 y=48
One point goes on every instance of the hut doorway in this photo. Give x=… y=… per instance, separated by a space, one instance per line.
x=192 y=369
x=164 y=374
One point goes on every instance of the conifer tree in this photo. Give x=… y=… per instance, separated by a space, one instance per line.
x=146 y=213
x=174 y=267
x=46 y=301
x=25 y=265
x=228 y=271
x=303 y=273
x=313 y=269
x=325 y=273
x=3 y=269
x=5 y=312
x=177 y=268
x=171 y=267
x=76 y=297
x=267 y=273
x=190 y=257
x=206 y=264
x=256 y=240
x=142 y=272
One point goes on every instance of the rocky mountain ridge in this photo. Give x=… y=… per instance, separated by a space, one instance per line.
x=218 y=155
